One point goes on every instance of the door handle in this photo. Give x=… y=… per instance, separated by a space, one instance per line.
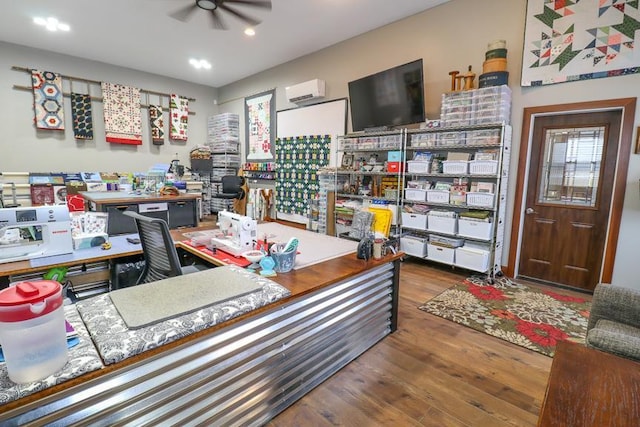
x=529 y=211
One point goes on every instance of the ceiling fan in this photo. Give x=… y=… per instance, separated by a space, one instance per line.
x=217 y=7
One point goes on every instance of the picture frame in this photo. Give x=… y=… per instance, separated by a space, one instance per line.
x=347 y=161
x=637 y=146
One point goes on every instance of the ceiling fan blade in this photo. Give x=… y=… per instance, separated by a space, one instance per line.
x=239 y=15
x=264 y=4
x=184 y=13
x=216 y=21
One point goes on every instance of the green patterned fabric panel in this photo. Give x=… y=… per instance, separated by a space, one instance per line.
x=297 y=162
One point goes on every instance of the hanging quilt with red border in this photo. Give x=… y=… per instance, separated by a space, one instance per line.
x=122 y=117
x=47 y=100
x=179 y=112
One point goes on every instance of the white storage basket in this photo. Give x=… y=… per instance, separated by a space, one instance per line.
x=453 y=167
x=483 y=167
x=415 y=194
x=480 y=199
x=437 y=196
x=417 y=166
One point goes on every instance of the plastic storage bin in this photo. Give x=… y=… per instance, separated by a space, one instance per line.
x=442 y=224
x=453 y=167
x=32 y=330
x=438 y=196
x=483 y=167
x=440 y=253
x=413 y=220
x=417 y=166
x=480 y=199
x=414 y=245
x=474 y=229
x=472 y=258
x=415 y=194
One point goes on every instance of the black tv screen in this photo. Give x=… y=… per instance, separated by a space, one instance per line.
x=393 y=97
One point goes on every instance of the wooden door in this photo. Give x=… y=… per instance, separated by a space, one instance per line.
x=568 y=203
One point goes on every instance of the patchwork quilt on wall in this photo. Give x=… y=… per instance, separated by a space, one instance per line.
x=580 y=40
x=47 y=100
x=122 y=117
x=297 y=162
x=179 y=112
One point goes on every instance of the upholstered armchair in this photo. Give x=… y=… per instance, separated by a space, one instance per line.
x=614 y=321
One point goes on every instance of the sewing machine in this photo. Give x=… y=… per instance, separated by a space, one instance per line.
x=34 y=232
x=239 y=233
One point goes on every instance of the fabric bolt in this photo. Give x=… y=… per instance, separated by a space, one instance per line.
x=297 y=162
x=157 y=124
x=179 y=113
x=48 y=100
x=122 y=117
x=82 y=116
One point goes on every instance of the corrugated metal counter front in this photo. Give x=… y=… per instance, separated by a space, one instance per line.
x=242 y=374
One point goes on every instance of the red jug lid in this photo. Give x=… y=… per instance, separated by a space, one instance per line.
x=28 y=300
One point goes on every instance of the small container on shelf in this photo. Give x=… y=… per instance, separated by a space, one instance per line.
x=480 y=199
x=472 y=257
x=414 y=220
x=483 y=167
x=413 y=245
x=424 y=140
x=440 y=253
x=416 y=194
x=483 y=137
x=474 y=229
x=437 y=196
x=418 y=166
x=453 y=167
x=442 y=224
x=453 y=138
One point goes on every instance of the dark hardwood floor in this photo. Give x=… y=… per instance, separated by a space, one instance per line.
x=430 y=372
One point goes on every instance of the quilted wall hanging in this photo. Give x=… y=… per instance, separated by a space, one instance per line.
x=179 y=113
x=259 y=116
x=157 y=124
x=47 y=100
x=580 y=40
x=122 y=117
x=82 y=116
x=297 y=162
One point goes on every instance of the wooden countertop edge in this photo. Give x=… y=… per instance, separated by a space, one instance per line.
x=350 y=263
x=141 y=198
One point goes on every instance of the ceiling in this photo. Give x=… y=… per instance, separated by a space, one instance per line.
x=140 y=34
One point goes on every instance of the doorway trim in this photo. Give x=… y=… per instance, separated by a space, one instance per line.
x=628 y=107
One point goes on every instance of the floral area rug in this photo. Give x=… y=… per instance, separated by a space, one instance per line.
x=525 y=316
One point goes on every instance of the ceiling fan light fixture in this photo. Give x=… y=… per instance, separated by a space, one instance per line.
x=200 y=63
x=207 y=4
x=51 y=24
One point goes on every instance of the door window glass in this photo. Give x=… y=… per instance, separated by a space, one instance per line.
x=571 y=166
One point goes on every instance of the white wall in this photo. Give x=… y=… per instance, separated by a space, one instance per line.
x=451 y=37
x=25 y=149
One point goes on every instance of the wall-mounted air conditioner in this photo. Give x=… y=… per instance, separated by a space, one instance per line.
x=306 y=91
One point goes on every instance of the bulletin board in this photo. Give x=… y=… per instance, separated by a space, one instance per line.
x=325 y=118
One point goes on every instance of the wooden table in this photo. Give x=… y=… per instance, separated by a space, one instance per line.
x=588 y=387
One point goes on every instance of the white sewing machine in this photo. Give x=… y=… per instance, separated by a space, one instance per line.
x=34 y=232
x=238 y=233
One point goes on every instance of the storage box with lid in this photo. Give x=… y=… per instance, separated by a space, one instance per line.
x=423 y=139
x=474 y=229
x=395 y=167
x=367 y=142
x=483 y=137
x=480 y=199
x=442 y=224
x=413 y=245
x=453 y=138
x=440 y=253
x=394 y=156
x=390 y=141
x=472 y=257
x=414 y=220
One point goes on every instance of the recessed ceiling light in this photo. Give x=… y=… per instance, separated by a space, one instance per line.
x=250 y=32
x=200 y=63
x=51 y=24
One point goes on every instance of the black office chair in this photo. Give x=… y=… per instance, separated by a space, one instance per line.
x=160 y=255
x=232 y=187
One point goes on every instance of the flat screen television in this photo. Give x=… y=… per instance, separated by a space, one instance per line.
x=393 y=97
